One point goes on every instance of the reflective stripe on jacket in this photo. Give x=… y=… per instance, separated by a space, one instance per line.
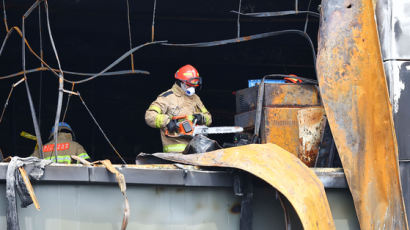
x=171 y=103
x=65 y=148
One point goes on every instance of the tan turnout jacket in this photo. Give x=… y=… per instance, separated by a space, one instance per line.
x=174 y=102
x=65 y=148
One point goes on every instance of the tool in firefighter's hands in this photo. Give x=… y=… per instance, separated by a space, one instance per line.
x=185 y=127
x=172 y=126
x=179 y=126
x=199 y=119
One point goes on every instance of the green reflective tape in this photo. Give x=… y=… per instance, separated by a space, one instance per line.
x=159 y=120
x=176 y=148
x=203 y=110
x=60 y=159
x=84 y=156
x=155 y=108
x=207 y=120
x=190 y=117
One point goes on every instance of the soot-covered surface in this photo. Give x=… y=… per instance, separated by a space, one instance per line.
x=89 y=35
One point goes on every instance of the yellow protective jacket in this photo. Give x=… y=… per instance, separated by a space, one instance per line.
x=65 y=148
x=174 y=102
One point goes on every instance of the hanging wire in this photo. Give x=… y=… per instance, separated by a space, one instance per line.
x=8 y=98
x=116 y=62
x=249 y=38
x=68 y=102
x=307 y=17
x=5 y=16
x=238 y=23
x=153 y=21
x=40 y=91
x=276 y=14
x=33 y=112
x=56 y=72
x=296 y=5
x=39 y=69
x=60 y=81
x=99 y=127
x=129 y=33
x=51 y=39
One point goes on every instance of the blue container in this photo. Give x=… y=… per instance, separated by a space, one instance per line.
x=254 y=82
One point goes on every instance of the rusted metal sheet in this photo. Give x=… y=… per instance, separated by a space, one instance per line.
x=311 y=123
x=281 y=127
x=355 y=97
x=277 y=167
x=278 y=95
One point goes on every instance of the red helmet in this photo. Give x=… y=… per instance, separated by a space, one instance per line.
x=189 y=75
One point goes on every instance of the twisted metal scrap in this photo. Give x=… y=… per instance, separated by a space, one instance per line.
x=279 y=168
x=121 y=183
x=354 y=93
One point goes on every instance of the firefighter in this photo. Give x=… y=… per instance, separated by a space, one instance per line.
x=180 y=100
x=66 y=146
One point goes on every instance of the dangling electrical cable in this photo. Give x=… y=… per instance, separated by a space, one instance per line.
x=276 y=14
x=33 y=112
x=68 y=102
x=39 y=69
x=249 y=38
x=40 y=91
x=307 y=17
x=8 y=98
x=99 y=127
x=60 y=80
x=296 y=5
x=238 y=23
x=92 y=75
x=153 y=21
x=116 y=62
x=129 y=33
x=5 y=16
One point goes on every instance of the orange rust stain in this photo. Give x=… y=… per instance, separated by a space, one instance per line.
x=281 y=128
x=311 y=123
x=289 y=94
x=354 y=92
x=236 y=208
x=281 y=169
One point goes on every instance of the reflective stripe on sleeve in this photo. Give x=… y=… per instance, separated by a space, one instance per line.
x=159 y=120
x=155 y=108
x=203 y=110
x=175 y=148
x=207 y=120
x=84 y=156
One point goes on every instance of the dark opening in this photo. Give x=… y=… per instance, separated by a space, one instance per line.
x=89 y=35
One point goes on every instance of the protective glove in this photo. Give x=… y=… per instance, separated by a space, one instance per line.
x=199 y=118
x=172 y=126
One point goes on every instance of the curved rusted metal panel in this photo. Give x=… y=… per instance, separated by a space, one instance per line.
x=281 y=169
x=355 y=97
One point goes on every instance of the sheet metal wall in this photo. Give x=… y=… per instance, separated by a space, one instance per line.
x=82 y=206
x=394 y=33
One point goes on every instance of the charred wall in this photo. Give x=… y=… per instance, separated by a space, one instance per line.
x=90 y=35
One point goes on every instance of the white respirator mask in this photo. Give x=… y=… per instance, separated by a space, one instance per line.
x=189 y=91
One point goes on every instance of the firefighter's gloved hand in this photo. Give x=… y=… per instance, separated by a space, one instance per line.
x=199 y=118
x=172 y=126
